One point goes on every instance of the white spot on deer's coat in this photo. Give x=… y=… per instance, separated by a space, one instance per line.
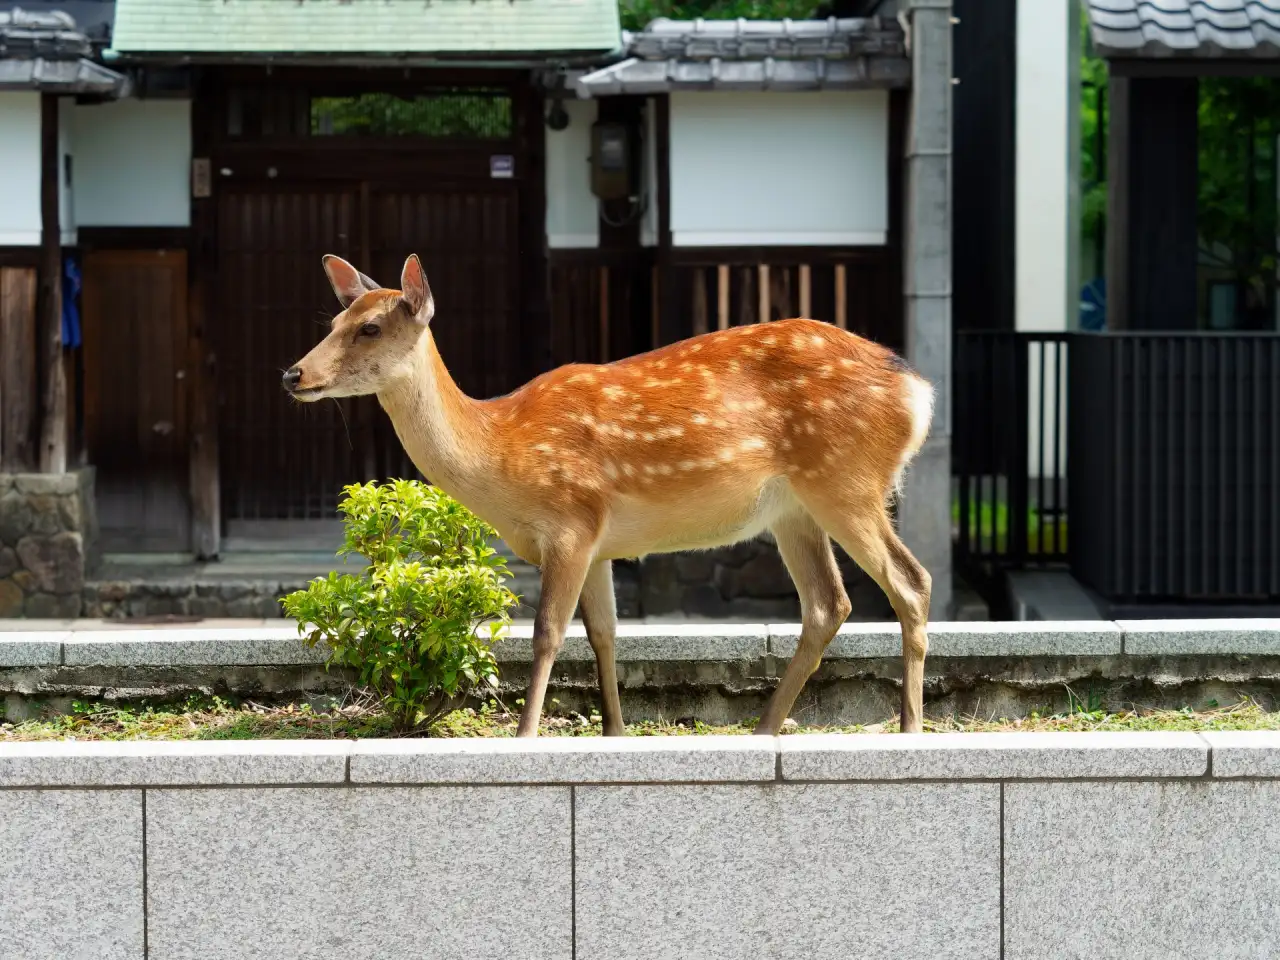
x=752 y=443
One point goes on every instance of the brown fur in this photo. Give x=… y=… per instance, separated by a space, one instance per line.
x=795 y=426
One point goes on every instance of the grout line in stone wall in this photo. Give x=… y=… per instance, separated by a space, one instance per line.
x=1208 y=768
x=1002 y=871
x=146 y=906
x=573 y=873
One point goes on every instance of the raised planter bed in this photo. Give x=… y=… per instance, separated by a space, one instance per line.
x=717 y=673
x=928 y=846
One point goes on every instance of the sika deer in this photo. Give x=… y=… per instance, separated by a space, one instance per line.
x=795 y=427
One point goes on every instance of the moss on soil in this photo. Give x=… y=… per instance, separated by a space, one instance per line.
x=217 y=719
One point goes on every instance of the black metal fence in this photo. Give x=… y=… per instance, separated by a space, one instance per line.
x=1162 y=449
x=1175 y=461
x=1009 y=448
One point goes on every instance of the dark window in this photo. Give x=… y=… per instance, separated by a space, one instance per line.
x=447 y=114
x=475 y=116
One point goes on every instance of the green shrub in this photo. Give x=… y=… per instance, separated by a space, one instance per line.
x=409 y=624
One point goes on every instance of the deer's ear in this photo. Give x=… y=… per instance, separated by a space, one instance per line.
x=416 y=292
x=348 y=282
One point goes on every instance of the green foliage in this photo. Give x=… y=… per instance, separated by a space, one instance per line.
x=469 y=115
x=1093 y=176
x=1237 y=203
x=636 y=13
x=408 y=625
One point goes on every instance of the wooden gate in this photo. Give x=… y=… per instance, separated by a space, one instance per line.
x=312 y=162
x=282 y=460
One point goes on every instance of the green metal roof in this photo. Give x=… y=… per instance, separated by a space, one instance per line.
x=364 y=28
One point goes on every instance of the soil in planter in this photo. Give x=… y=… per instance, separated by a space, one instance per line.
x=218 y=719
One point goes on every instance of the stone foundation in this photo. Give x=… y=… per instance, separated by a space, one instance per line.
x=745 y=581
x=48 y=531
x=198 y=599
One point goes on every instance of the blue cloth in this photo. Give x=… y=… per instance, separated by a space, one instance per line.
x=70 y=302
x=1093 y=305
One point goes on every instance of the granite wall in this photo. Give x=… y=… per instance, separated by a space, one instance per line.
x=928 y=847
x=48 y=533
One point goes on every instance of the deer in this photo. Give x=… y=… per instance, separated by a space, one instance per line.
x=795 y=428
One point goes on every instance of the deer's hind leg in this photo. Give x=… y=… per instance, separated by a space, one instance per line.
x=824 y=605
x=600 y=617
x=863 y=528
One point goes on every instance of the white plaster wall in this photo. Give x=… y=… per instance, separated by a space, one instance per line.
x=572 y=218
x=133 y=164
x=779 y=168
x=1047 y=211
x=19 y=169
x=66 y=148
x=649 y=222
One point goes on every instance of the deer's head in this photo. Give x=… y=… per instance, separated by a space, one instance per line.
x=373 y=341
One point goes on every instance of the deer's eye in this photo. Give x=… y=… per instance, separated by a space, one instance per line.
x=370 y=330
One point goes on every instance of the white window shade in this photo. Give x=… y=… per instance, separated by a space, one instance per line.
x=20 y=162
x=572 y=218
x=132 y=164
x=779 y=169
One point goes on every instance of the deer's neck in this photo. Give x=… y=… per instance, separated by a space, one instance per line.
x=444 y=431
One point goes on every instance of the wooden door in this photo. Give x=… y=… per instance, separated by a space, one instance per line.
x=135 y=397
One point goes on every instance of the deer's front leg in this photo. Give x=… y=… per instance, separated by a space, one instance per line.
x=563 y=573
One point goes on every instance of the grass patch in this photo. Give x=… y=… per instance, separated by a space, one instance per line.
x=989 y=524
x=217 y=719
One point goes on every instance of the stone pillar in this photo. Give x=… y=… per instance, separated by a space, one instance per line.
x=924 y=514
x=47 y=534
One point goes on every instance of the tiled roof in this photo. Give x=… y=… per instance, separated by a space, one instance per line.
x=1185 y=28
x=44 y=51
x=53 y=36
x=756 y=55
x=365 y=27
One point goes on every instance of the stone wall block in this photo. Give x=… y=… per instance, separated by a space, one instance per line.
x=72 y=867
x=45 y=515
x=54 y=606
x=57 y=562
x=15 y=518
x=51 y=484
x=11 y=599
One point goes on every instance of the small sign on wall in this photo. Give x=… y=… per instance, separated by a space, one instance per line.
x=502 y=166
x=201 y=178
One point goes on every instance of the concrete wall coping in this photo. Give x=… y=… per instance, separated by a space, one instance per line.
x=262 y=643
x=725 y=759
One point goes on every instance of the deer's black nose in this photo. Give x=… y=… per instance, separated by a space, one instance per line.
x=291 y=378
